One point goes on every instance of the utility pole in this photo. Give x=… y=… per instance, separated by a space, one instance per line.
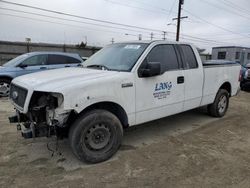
x=164 y=35
x=28 y=40
x=86 y=40
x=140 y=36
x=151 y=36
x=181 y=2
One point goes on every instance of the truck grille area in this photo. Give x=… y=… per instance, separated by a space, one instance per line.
x=18 y=95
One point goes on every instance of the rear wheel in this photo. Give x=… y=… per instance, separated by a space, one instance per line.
x=4 y=87
x=220 y=105
x=96 y=136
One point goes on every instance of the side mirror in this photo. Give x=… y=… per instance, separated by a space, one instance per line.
x=152 y=69
x=23 y=66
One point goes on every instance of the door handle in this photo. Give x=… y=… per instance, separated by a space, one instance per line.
x=180 y=80
x=66 y=66
x=43 y=68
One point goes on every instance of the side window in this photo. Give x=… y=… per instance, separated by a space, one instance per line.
x=71 y=60
x=57 y=59
x=166 y=55
x=35 y=60
x=190 y=59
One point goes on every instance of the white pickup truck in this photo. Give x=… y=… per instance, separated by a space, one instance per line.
x=122 y=85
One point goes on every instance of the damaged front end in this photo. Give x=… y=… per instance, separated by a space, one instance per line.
x=45 y=116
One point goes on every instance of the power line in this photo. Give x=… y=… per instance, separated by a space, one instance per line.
x=163 y=11
x=202 y=39
x=171 y=10
x=92 y=29
x=81 y=17
x=85 y=23
x=189 y=38
x=18 y=16
x=77 y=21
x=221 y=34
x=235 y=6
x=150 y=5
x=222 y=8
x=212 y=24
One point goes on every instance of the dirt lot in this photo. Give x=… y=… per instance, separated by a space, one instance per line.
x=186 y=150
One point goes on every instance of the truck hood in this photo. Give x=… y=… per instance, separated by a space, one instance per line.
x=60 y=78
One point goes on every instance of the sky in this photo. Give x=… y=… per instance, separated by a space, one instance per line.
x=209 y=23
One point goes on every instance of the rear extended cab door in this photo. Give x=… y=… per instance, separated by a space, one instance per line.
x=162 y=95
x=193 y=75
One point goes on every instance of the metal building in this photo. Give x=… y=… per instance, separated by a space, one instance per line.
x=232 y=53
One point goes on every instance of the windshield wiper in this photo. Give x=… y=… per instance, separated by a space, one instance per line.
x=103 y=67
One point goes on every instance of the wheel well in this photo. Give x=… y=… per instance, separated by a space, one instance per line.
x=6 y=77
x=114 y=108
x=226 y=86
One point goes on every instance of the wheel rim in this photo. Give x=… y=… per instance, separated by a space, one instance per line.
x=222 y=105
x=4 y=89
x=97 y=137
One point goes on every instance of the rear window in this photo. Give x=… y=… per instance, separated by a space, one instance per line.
x=190 y=59
x=61 y=59
x=71 y=60
x=57 y=59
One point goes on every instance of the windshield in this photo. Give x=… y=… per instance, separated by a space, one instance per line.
x=119 y=57
x=13 y=62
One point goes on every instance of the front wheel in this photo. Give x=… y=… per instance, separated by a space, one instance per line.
x=220 y=105
x=96 y=136
x=4 y=87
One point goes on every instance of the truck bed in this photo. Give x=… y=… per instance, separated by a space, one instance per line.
x=219 y=63
x=217 y=73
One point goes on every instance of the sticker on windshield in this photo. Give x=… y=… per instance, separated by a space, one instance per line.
x=131 y=46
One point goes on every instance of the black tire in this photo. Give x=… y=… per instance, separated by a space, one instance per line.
x=242 y=86
x=5 y=83
x=220 y=105
x=96 y=136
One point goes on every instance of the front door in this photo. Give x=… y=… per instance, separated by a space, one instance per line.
x=32 y=64
x=161 y=95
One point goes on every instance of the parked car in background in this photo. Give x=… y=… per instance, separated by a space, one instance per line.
x=245 y=82
x=34 y=62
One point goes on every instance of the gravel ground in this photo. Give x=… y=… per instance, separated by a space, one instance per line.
x=186 y=150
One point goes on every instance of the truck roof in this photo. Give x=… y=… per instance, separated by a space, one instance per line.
x=154 y=41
